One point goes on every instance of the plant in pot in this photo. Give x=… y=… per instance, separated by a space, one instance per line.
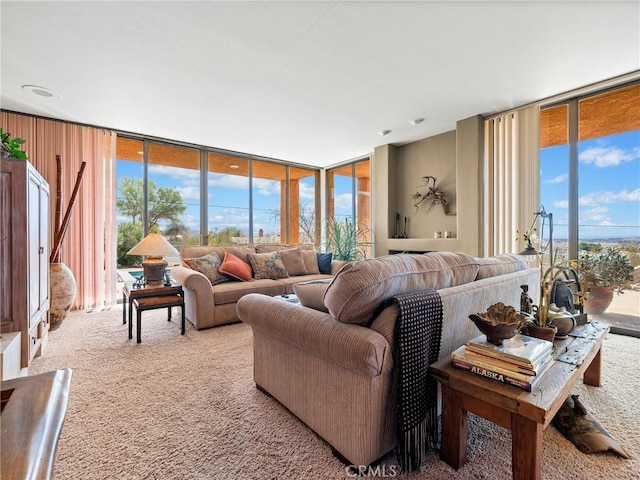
x=347 y=241
x=603 y=273
x=12 y=146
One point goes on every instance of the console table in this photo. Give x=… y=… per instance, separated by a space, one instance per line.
x=526 y=414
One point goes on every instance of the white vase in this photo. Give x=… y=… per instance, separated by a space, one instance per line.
x=63 y=292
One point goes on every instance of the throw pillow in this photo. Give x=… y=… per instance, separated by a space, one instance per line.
x=209 y=266
x=324 y=262
x=293 y=261
x=236 y=268
x=310 y=261
x=311 y=293
x=267 y=265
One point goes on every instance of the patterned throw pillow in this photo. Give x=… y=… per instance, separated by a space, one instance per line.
x=267 y=265
x=209 y=266
x=236 y=268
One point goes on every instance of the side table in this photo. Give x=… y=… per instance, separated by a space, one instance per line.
x=526 y=414
x=148 y=298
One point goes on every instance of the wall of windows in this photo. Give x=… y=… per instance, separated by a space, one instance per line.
x=197 y=196
x=590 y=181
x=349 y=206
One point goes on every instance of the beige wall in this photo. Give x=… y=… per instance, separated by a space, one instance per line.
x=455 y=158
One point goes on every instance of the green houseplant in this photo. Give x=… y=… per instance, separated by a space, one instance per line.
x=347 y=241
x=603 y=273
x=12 y=146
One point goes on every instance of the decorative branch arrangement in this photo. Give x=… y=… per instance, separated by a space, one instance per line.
x=432 y=197
x=62 y=225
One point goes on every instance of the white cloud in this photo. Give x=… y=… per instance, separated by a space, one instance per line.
x=189 y=193
x=559 y=179
x=596 y=199
x=266 y=187
x=228 y=181
x=343 y=201
x=184 y=175
x=603 y=156
x=307 y=191
x=561 y=204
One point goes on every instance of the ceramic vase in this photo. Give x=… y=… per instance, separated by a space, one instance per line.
x=599 y=299
x=63 y=293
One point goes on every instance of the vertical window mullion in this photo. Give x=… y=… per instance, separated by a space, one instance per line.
x=573 y=180
x=145 y=189
x=204 y=197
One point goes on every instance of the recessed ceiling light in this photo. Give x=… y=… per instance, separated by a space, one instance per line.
x=382 y=133
x=41 y=91
x=234 y=166
x=416 y=121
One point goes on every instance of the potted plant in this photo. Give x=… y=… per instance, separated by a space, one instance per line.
x=603 y=273
x=347 y=241
x=11 y=146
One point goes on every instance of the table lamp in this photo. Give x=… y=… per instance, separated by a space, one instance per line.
x=154 y=246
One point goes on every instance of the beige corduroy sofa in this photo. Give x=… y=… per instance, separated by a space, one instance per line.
x=335 y=371
x=207 y=306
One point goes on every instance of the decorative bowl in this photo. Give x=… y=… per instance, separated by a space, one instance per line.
x=499 y=322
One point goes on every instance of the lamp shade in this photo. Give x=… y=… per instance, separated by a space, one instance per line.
x=154 y=245
x=529 y=251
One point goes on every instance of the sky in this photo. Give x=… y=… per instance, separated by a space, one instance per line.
x=608 y=187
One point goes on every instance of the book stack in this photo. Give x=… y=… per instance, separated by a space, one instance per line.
x=519 y=361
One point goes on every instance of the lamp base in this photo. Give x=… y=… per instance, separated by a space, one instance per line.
x=154 y=268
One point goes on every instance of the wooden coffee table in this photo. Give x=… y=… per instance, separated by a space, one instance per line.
x=526 y=414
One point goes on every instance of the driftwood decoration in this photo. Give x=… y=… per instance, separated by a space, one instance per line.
x=432 y=197
x=61 y=228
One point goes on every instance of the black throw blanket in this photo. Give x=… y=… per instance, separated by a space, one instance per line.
x=417 y=345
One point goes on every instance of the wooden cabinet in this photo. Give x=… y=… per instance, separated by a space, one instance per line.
x=24 y=255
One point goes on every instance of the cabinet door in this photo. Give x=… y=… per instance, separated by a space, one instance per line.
x=33 y=247
x=43 y=303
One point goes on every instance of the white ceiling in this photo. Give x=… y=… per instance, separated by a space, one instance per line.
x=308 y=82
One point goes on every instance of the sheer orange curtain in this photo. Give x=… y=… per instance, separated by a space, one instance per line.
x=89 y=246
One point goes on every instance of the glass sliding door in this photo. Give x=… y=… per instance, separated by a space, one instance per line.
x=173 y=194
x=270 y=211
x=228 y=211
x=303 y=206
x=600 y=138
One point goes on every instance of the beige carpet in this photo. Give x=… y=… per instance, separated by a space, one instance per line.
x=186 y=407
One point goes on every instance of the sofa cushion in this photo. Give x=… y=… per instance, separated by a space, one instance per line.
x=267 y=265
x=209 y=266
x=231 y=292
x=501 y=265
x=360 y=288
x=200 y=251
x=311 y=293
x=236 y=268
x=293 y=261
x=310 y=261
x=324 y=262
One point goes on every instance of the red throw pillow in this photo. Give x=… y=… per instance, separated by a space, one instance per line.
x=236 y=268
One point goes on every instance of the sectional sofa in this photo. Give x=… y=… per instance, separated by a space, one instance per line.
x=211 y=300
x=334 y=369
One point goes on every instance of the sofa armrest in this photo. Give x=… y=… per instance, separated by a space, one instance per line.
x=337 y=265
x=198 y=294
x=351 y=346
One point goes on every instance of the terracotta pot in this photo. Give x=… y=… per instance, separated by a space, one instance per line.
x=63 y=293
x=599 y=299
x=545 y=333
